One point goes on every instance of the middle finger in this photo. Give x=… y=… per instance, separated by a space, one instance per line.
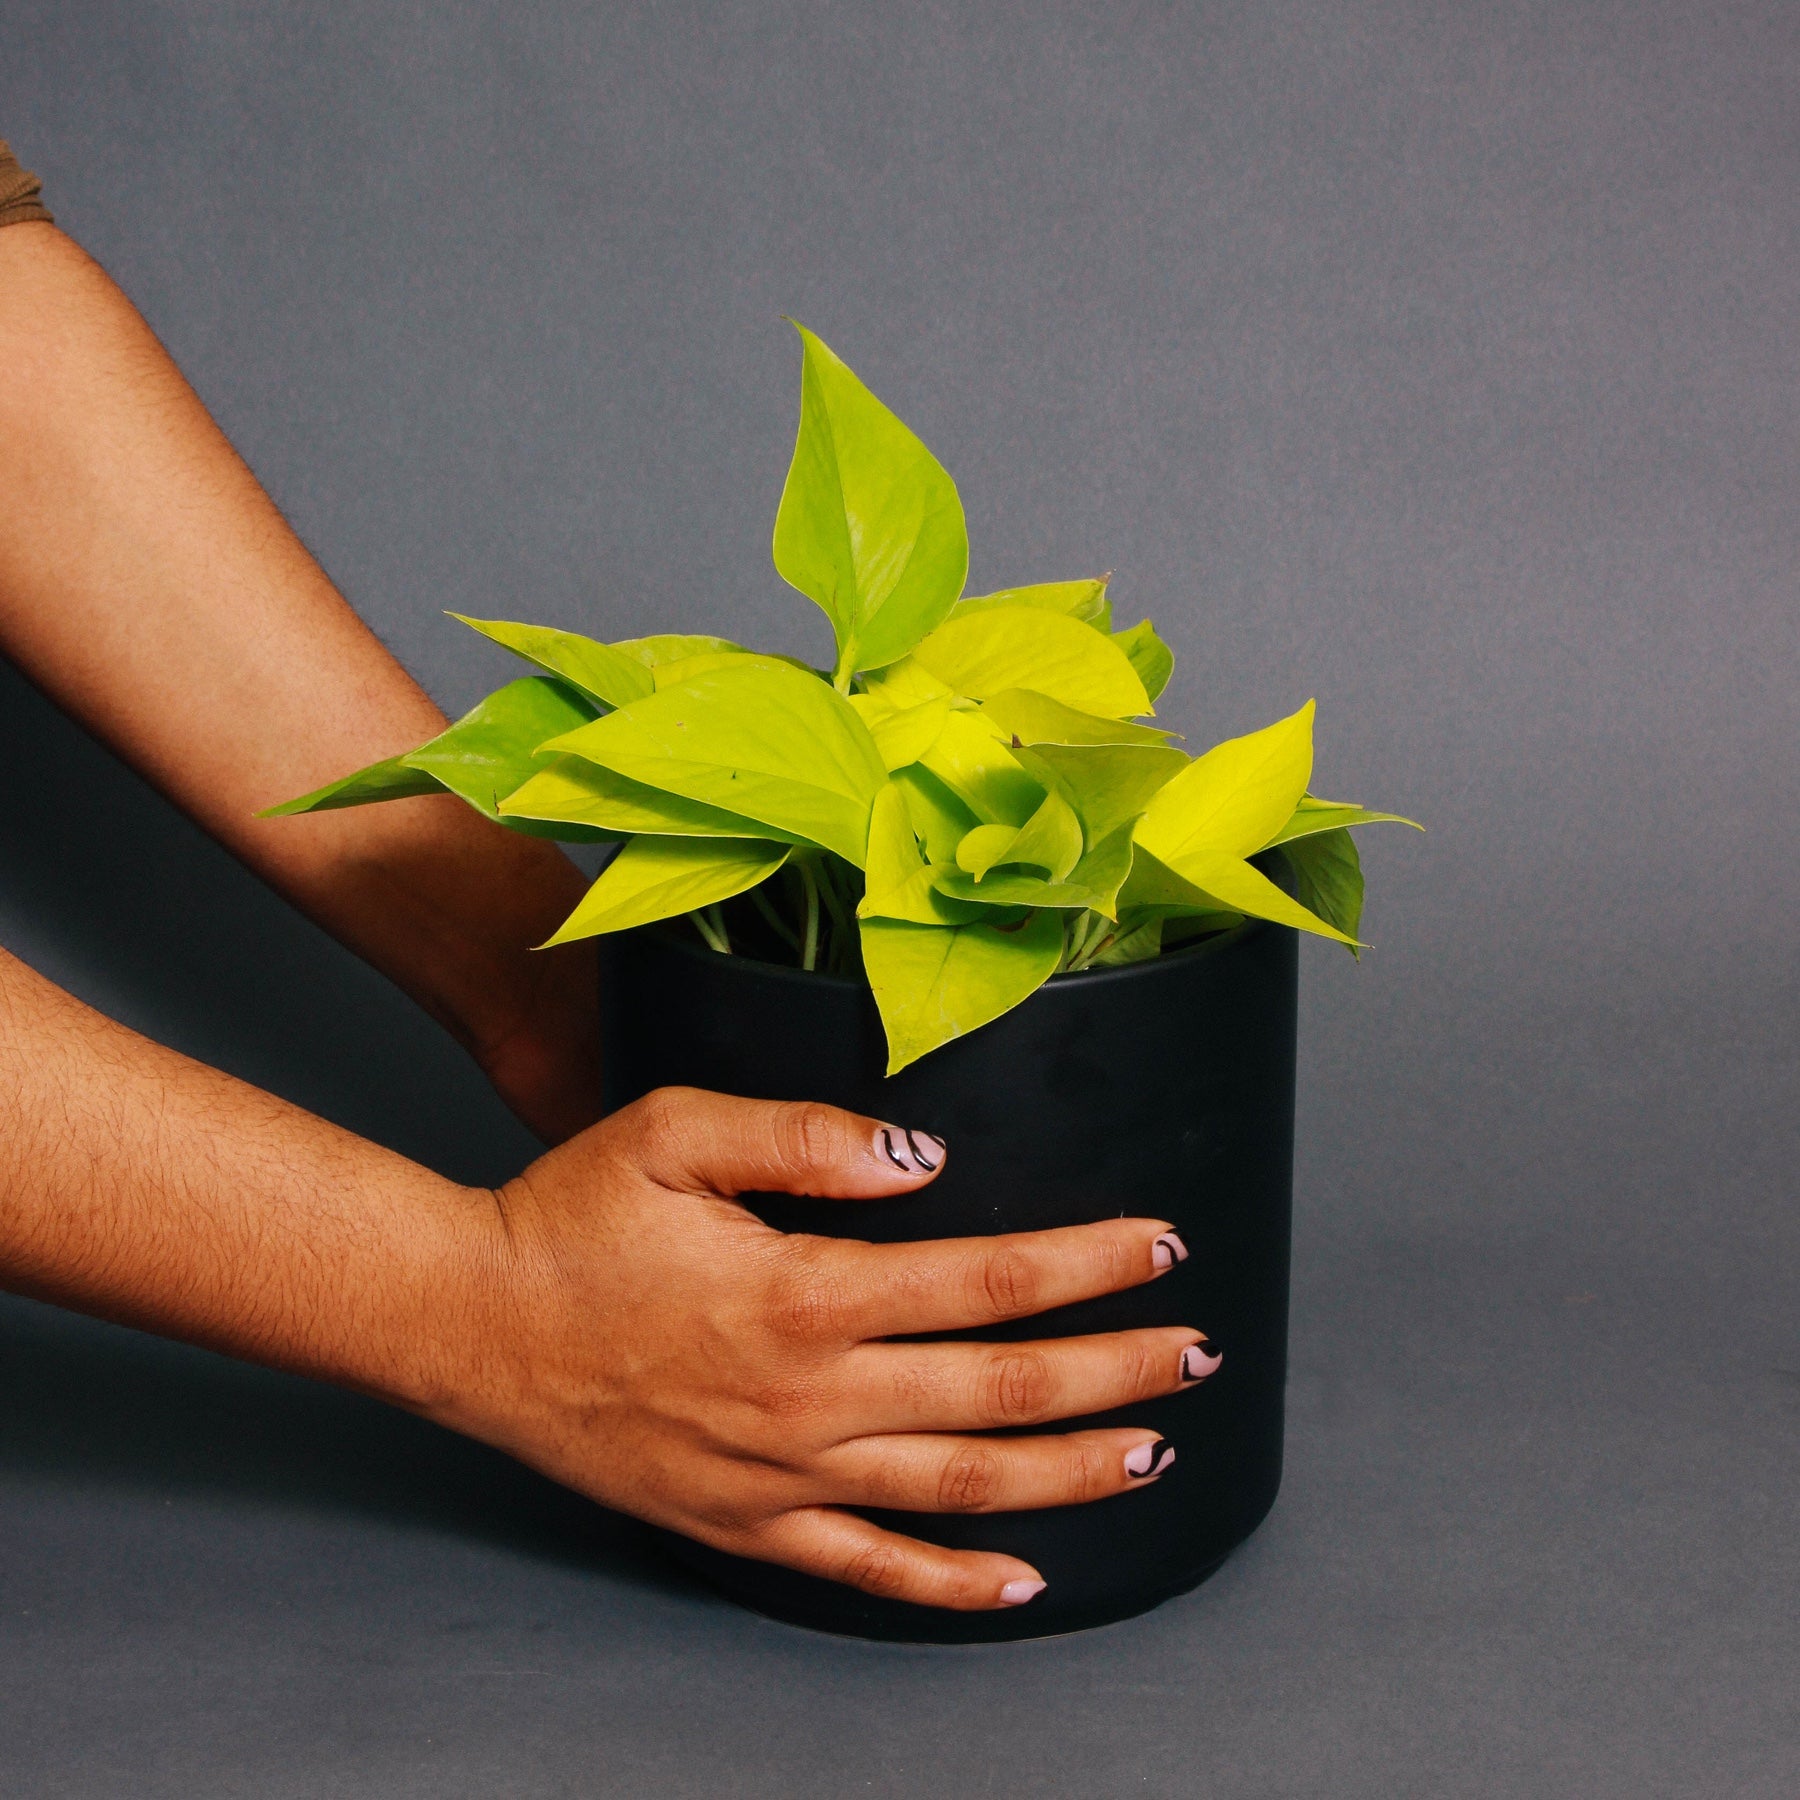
x=979 y=1387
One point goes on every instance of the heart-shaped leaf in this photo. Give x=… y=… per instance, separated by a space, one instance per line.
x=575 y=792
x=1083 y=600
x=984 y=653
x=601 y=671
x=934 y=983
x=754 y=737
x=870 y=525
x=1153 y=660
x=662 y=877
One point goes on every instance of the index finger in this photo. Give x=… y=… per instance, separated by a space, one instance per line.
x=947 y=1284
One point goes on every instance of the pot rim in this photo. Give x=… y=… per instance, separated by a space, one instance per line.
x=664 y=931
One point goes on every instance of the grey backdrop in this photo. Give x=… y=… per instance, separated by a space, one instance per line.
x=1437 y=360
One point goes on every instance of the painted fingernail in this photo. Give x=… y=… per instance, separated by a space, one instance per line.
x=1016 y=1593
x=1149 y=1459
x=911 y=1152
x=1168 y=1250
x=1199 y=1361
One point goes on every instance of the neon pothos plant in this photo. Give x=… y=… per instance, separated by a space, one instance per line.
x=964 y=805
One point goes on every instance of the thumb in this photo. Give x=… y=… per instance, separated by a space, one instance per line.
x=720 y=1144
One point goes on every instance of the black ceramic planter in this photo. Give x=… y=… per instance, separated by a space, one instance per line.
x=1165 y=1089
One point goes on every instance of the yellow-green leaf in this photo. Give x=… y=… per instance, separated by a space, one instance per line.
x=599 y=670
x=755 y=737
x=390 y=779
x=1093 y=883
x=1109 y=785
x=1083 y=600
x=898 y=883
x=1232 y=801
x=573 y=791
x=663 y=877
x=672 y=647
x=870 y=525
x=1328 y=878
x=1312 y=816
x=1148 y=654
x=939 y=819
x=970 y=760
x=934 y=983
x=902 y=733
x=1030 y=718
x=1049 y=840
x=984 y=653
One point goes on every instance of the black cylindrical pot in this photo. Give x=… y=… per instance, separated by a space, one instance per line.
x=1164 y=1089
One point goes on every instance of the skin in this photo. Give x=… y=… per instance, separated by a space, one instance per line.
x=611 y=1317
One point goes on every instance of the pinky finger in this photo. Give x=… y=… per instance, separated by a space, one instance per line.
x=840 y=1546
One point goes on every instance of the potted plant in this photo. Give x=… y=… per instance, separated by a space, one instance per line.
x=842 y=884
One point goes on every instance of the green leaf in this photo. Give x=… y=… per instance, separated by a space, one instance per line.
x=898 y=882
x=1244 y=889
x=601 y=671
x=754 y=737
x=1312 y=816
x=1109 y=785
x=672 y=647
x=1153 y=660
x=1083 y=600
x=939 y=819
x=390 y=779
x=970 y=760
x=663 y=877
x=572 y=791
x=490 y=750
x=1029 y=718
x=934 y=983
x=1093 y=884
x=1049 y=840
x=1230 y=802
x=1131 y=943
x=870 y=525
x=902 y=733
x=984 y=653
x=1328 y=879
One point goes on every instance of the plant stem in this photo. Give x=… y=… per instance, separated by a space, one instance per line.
x=712 y=929
x=809 y=947
x=777 y=923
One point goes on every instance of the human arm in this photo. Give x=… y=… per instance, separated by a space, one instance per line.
x=612 y=1317
x=151 y=587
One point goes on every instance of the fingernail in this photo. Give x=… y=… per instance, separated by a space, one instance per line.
x=1149 y=1459
x=1016 y=1593
x=1199 y=1361
x=1168 y=1250
x=911 y=1152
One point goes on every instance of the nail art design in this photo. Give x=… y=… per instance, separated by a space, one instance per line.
x=1016 y=1593
x=911 y=1152
x=1149 y=1460
x=1168 y=1250
x=1199 y=1361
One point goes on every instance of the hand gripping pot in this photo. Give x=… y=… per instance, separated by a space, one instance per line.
x=1164 y=1088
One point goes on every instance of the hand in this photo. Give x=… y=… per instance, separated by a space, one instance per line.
x=649 y=1342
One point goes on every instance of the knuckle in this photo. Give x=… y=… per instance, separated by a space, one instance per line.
x=876 y=1569
x=1018 y=1387
x=811 y=1299
x=1009 y=1282
x=660 y=1120
x=971 y=1481
x=1092 y=1471
x=1143 y=1368
x=809 y=1134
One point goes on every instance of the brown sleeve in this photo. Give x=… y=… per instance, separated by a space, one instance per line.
x=19 y=191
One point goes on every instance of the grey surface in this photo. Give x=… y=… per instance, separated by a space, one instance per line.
x=1439 y=361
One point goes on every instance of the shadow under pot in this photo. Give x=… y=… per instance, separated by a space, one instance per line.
x=1164 y=1089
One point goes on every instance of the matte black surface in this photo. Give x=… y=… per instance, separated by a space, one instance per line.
x=1438 y=360
x=1165 y=1090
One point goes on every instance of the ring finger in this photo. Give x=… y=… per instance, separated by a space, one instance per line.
x=937 y=1473
x=977 y=1387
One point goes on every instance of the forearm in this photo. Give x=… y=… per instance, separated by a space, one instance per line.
x=143 y=1187
x=150 y=586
